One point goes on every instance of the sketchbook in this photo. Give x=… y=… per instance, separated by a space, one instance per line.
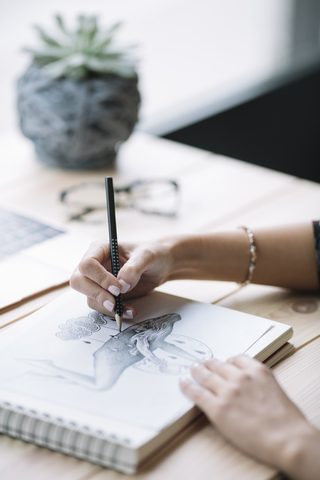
x=69 y=381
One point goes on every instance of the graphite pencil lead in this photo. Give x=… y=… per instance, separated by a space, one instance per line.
x=119 y=321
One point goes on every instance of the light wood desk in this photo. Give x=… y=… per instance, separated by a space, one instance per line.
x=216 y=193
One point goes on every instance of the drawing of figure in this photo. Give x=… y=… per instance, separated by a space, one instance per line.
x=122 y=350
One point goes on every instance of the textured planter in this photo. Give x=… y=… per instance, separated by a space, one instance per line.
x=77 y=124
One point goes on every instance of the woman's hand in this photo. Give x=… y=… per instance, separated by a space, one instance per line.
x=244 y=401
x=142 y=268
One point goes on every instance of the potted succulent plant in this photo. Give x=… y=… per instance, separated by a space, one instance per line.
x=78 y=100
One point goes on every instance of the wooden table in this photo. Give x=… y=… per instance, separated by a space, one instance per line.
x=217 y=193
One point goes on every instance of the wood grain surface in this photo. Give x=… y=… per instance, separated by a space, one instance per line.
x=216 y=193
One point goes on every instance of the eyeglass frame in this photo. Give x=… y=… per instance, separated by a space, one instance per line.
x=117 y=190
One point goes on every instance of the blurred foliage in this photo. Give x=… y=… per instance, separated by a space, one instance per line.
x=85 y=51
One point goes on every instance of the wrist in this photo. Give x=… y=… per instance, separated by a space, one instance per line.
x=300 y=459
x=184 y=258
x=217 y=256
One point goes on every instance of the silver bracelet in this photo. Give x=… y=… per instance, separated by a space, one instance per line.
x=253 y=256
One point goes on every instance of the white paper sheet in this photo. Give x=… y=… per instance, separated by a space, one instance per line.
x=145 y=393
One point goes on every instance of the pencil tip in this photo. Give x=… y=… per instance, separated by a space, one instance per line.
x=119 y=321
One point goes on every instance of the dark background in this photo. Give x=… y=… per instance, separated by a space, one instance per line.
x=279 y=129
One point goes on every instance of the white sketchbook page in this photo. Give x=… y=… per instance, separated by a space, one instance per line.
x=146 y=393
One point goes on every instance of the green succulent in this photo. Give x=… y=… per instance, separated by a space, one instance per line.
x=78 y=54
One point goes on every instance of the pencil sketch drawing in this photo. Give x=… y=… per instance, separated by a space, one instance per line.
x=134 y=346
x=76 y=328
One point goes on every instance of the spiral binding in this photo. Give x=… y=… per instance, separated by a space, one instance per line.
x=66 y=437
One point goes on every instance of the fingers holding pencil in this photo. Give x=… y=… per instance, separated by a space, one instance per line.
x=142 y=268
x=100 y=288
x=93 y=278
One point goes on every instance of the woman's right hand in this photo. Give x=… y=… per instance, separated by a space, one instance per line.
x=142 y=268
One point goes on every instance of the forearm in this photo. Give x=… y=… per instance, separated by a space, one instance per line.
x=285 y=257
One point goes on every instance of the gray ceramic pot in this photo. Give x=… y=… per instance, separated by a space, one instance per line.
x=77 y=124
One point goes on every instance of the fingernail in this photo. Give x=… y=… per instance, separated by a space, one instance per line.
x=124 y=286
x=195 y=365
x=114 y=290
x=128 y=314
x=108 y=305
x=185 y=379
x=204 y=359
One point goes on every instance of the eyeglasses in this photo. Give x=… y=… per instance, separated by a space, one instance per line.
x=87 y=201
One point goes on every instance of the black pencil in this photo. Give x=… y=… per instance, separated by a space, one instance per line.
x=113 y=240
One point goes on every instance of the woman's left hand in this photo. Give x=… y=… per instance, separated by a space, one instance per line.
x=243 y=400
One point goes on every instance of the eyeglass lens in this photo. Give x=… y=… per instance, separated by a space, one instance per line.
x=154 y=197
